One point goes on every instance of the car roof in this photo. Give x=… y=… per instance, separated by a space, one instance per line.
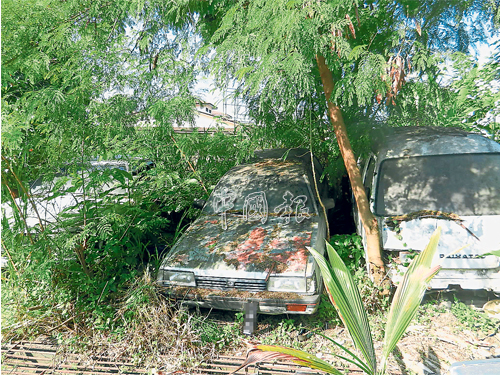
x=301 y=155
x=287 y=163
x=423 y=140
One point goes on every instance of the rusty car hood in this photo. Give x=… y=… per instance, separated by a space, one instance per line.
x=245 y=249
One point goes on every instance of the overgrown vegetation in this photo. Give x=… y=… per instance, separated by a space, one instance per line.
x=84 y=273
x=86 y=82
x=345 y=296
x=350 y=249
x=473 y=319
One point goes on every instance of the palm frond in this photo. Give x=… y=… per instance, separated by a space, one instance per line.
x=344 y=295
x=355 y=359
x=261 y=353
x=409 y=295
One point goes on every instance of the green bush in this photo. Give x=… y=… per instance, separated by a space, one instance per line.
x=473 y=319
x=350 y=249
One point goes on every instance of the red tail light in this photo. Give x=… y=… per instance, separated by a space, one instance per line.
x=296 y=307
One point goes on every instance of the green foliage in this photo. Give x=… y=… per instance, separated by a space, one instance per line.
x=283 y=334
x=327 y=313
x=409 y=295
x=95 y=248
x=153 y=328
x=60 y=115
x=428 y=311
x=374 y=300
x=269 y=48
x=456 y=92
x=350 y=249
x=495 y=253
x=277 y=62
x=85 y=81
x=78 y=86
x=217 y=334
x=345 y=296
x=473 y=319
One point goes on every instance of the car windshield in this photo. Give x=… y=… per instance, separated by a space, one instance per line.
x=464 y=184
x=271 y=186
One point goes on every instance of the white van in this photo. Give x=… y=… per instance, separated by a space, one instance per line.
x=419 y=178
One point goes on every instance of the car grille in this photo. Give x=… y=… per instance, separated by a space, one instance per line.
x=249 y=285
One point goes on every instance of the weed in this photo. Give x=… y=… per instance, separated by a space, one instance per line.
x=473 y=319
x=373 y=300
x=350 y=249
x=239 y=318
x=220 y=335
x=428 y=311
x=326 y=313
x=284 y=334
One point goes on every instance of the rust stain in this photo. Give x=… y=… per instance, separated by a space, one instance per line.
x=300 y=243
x=211 y=244
x=247 y=251
x=244 y=246
x=296 y=259
x=255 y=241
x=210 y=221
x=182 y=259
x=194 y=293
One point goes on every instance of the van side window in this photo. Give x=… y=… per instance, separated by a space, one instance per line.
x=368 y=181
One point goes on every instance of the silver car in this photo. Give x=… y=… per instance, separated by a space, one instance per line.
x=250 y=242
x=51 y=202
x=419 y=178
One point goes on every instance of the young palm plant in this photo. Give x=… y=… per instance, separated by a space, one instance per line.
x=345 y=296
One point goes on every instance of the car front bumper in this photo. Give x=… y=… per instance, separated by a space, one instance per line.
x=271 y=303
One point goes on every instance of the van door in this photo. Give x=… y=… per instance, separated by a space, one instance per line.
x=368 y=171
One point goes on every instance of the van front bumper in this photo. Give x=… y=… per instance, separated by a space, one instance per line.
x=488 y=279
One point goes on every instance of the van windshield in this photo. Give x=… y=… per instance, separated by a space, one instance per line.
x=464 y=184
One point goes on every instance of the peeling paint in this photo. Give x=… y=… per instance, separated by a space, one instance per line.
x=245 y=246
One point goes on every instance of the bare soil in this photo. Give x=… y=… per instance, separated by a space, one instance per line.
x=435 y=339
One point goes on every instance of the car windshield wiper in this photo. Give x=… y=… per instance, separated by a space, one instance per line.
x=394 y=221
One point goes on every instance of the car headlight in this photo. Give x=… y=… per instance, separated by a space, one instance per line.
x=287 y=284
x=177 y=278
x=311 y=285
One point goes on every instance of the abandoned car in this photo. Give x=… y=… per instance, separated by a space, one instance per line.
x=419 y=178
x=249 y=244
x=65 y=191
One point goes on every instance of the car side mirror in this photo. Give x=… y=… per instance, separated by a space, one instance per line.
x=199 y=203
x=329 y=203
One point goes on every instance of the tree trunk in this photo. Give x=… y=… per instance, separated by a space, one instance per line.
x=369 y=221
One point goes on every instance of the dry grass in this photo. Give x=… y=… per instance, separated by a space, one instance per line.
x=148 y=329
